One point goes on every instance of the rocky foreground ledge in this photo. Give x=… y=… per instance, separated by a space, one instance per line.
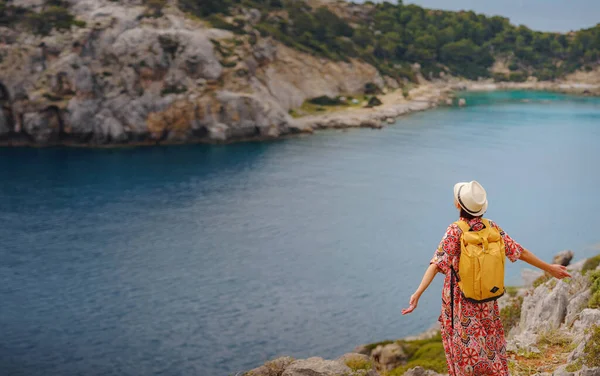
x=553 y=329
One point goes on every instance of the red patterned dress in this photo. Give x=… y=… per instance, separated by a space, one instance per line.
x=474 y=341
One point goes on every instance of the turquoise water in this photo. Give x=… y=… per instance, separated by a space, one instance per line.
x=208 y=260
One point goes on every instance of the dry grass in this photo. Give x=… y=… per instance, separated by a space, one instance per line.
x=528 y=363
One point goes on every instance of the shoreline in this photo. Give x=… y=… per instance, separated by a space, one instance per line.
x=394 y=105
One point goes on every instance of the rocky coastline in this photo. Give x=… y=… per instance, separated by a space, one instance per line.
x=553 y=328
x=124 y=76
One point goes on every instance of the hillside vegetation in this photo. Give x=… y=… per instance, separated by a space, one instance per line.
x=392 y=36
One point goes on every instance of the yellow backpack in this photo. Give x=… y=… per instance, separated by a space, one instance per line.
x=481 y=265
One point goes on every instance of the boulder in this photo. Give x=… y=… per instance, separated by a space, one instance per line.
x=389 y=356
x=316 y=367
x=587 y=318
x=462 y=102
x=563 y=258
x=585 y=371
x=542 y=310
x=576 y=304
x=420 y=371
x=272 y=368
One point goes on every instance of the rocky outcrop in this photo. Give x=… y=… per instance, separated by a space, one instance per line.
x=347 y=365
x=558 y=309
x=130 y=78
x=563 y=258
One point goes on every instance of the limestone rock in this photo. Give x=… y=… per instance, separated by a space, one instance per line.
x=389 y=356
x=587 y=318
x=272 y=368
x=462 y=102
x=585 y=371
x=316 y=367
x=563 y=258
x=576 y=304
x=549 y=307
x=420 y=371
x=36 y=125
x=4 y=126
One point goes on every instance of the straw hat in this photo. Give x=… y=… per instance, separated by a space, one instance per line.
x=471 y=197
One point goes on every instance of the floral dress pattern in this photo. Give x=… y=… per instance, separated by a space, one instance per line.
x=473 y=335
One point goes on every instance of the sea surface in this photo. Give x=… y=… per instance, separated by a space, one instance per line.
x=210 y=260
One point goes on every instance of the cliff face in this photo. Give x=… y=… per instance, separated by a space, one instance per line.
x=127 y=76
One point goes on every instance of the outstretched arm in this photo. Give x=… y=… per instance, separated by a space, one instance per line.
x=430 y=273
x=555 y=270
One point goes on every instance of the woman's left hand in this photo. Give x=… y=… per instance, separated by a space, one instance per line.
x=414 y=301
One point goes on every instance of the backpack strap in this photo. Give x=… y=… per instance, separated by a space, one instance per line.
x=464 y=226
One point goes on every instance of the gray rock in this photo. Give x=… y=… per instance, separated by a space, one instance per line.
x=576 y=304
x=198 y=58
x=420 y=371
x=80 y=115
x=84 y=80
x=4 y=126
x=264 y=51
x=561 y=371
x=36 y=125
x=586 y=319
x=545 y=309
x=108 y=128
x=563 y=258
x=389 y=356
x=316 y=367
x=462 y=102
x=585 y=371
x=272 y=368
x=7 y=35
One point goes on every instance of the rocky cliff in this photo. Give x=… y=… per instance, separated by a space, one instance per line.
x=553 y=329
x=125 y=75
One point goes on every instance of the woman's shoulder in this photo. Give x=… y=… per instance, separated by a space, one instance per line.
x=495 y=225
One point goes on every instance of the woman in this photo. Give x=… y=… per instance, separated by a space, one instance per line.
x=472 y=332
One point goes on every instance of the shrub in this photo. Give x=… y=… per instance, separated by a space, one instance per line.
x=575 y=366
x=374 y=102
x=517 y=77
x=592 y=348
x=499 y=77
x=594 y=301
x=325 y=101
x=356 y=364
x=155 y=7
x=541 y=280
x=53 y=17
x=553 y=337
x=512 y=291
x=511 y=314
x=372 y=89
x=591 y=264
x=427 y=353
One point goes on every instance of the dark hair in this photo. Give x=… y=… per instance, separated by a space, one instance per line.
x=465 y=215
